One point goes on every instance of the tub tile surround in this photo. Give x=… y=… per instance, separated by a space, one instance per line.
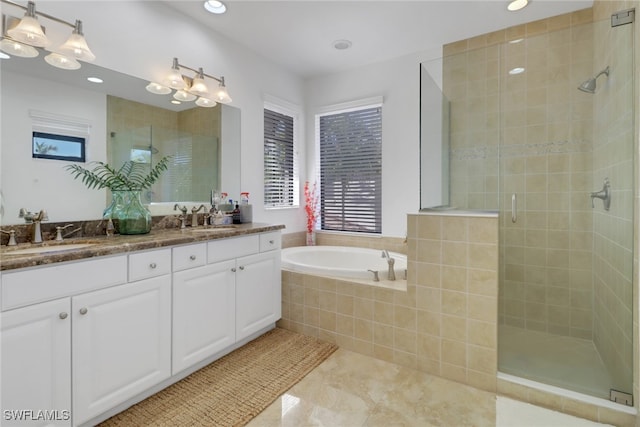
x=445 y=323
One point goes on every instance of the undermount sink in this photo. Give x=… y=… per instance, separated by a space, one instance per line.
x=47 y=249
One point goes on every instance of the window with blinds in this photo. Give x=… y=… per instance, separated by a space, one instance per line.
x=350 y=146
x=280 y=180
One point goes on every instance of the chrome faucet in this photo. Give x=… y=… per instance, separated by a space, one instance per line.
x=194 y=215
x=182 y=217
x=30 y=217
x=391 y=274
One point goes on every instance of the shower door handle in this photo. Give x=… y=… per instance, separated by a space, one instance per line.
x=514 y=207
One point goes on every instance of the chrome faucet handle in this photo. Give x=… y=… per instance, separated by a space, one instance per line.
x=28 y=216
x=375 y=275
x=12 y=237
x=194 y=215
x=604 y=195
x=59 y=229
x=182 y=209
x=182 y=223
x=42 y=216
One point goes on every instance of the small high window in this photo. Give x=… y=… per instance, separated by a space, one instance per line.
x=58 y=147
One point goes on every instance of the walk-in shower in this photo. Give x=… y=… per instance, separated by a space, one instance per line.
x=557 y=163
x=589 y=86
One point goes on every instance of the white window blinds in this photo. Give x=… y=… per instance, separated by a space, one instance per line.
x=279 y=174
x=351 y=170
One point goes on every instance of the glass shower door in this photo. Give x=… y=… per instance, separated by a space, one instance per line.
x=565 y=299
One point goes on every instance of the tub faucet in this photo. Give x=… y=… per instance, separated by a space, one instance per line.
x=391 y=275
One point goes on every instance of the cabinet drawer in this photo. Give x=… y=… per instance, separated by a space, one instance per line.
x=270 y=241
x=143 y=265
x=30 y=286
x=224 y=249
x=189 y=256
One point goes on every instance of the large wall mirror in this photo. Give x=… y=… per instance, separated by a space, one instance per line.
x=121 y=121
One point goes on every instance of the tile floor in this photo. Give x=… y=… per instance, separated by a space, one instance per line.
x=566 y=362
x=351 y=389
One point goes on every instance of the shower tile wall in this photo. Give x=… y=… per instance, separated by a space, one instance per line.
x=205 y=126
x=546 y=160
x=613 y=158
x=202 y=139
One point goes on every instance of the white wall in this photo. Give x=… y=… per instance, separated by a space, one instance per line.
x=140 y=38
x=398 y=82
x=36 y=184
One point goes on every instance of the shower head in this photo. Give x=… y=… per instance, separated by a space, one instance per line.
x=589 y=86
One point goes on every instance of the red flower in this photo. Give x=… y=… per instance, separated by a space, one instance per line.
x=311 y=205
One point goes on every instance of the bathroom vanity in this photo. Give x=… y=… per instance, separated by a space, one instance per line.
x=87 y=332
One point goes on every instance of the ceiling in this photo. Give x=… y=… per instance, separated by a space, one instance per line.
x=299 y=35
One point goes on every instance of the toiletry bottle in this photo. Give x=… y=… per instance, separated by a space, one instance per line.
x=236 y=215
x=244 y=198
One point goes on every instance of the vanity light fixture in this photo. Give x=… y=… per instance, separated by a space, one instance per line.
x=191 y=88
x=517 y=5
x=22 y=37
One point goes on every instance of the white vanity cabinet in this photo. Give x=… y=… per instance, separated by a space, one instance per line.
x=85 y=339
x=121 y=343
x=203 y=307
x=257 y=279
x=36 y=363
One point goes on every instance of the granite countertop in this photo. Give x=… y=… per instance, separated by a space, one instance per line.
x=102 y=245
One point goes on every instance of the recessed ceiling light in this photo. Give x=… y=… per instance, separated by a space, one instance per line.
x=517 y=70
x=517 y=5
x=342 y=44
x=215 y=6
x=95 y=79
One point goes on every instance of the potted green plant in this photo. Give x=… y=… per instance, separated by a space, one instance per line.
x=126 y=184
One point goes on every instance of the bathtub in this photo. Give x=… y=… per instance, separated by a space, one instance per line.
x=341 y=261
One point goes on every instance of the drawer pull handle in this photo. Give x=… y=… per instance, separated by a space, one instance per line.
x=63 y=315
x=153 y=265
x=192 y=257
x=233 y=269
x=271 y=242
x=83 y=311
x=242 y=267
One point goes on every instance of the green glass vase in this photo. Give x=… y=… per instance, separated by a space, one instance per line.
x=129 y=212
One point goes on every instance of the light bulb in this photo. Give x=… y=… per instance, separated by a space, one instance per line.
x=76 y=46
x=198 y=86
x=182 y=95
x=29 y=31
x=205 y=102
x=158 y=89
x=60 y=61
x=174 y=79
x=14 y=48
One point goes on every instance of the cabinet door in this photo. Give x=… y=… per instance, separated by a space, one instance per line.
x=203 y=313
x=121 y=344
x=258 y=295
x=36 y=364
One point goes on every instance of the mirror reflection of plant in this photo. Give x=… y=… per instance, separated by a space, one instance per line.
x=131 y=176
